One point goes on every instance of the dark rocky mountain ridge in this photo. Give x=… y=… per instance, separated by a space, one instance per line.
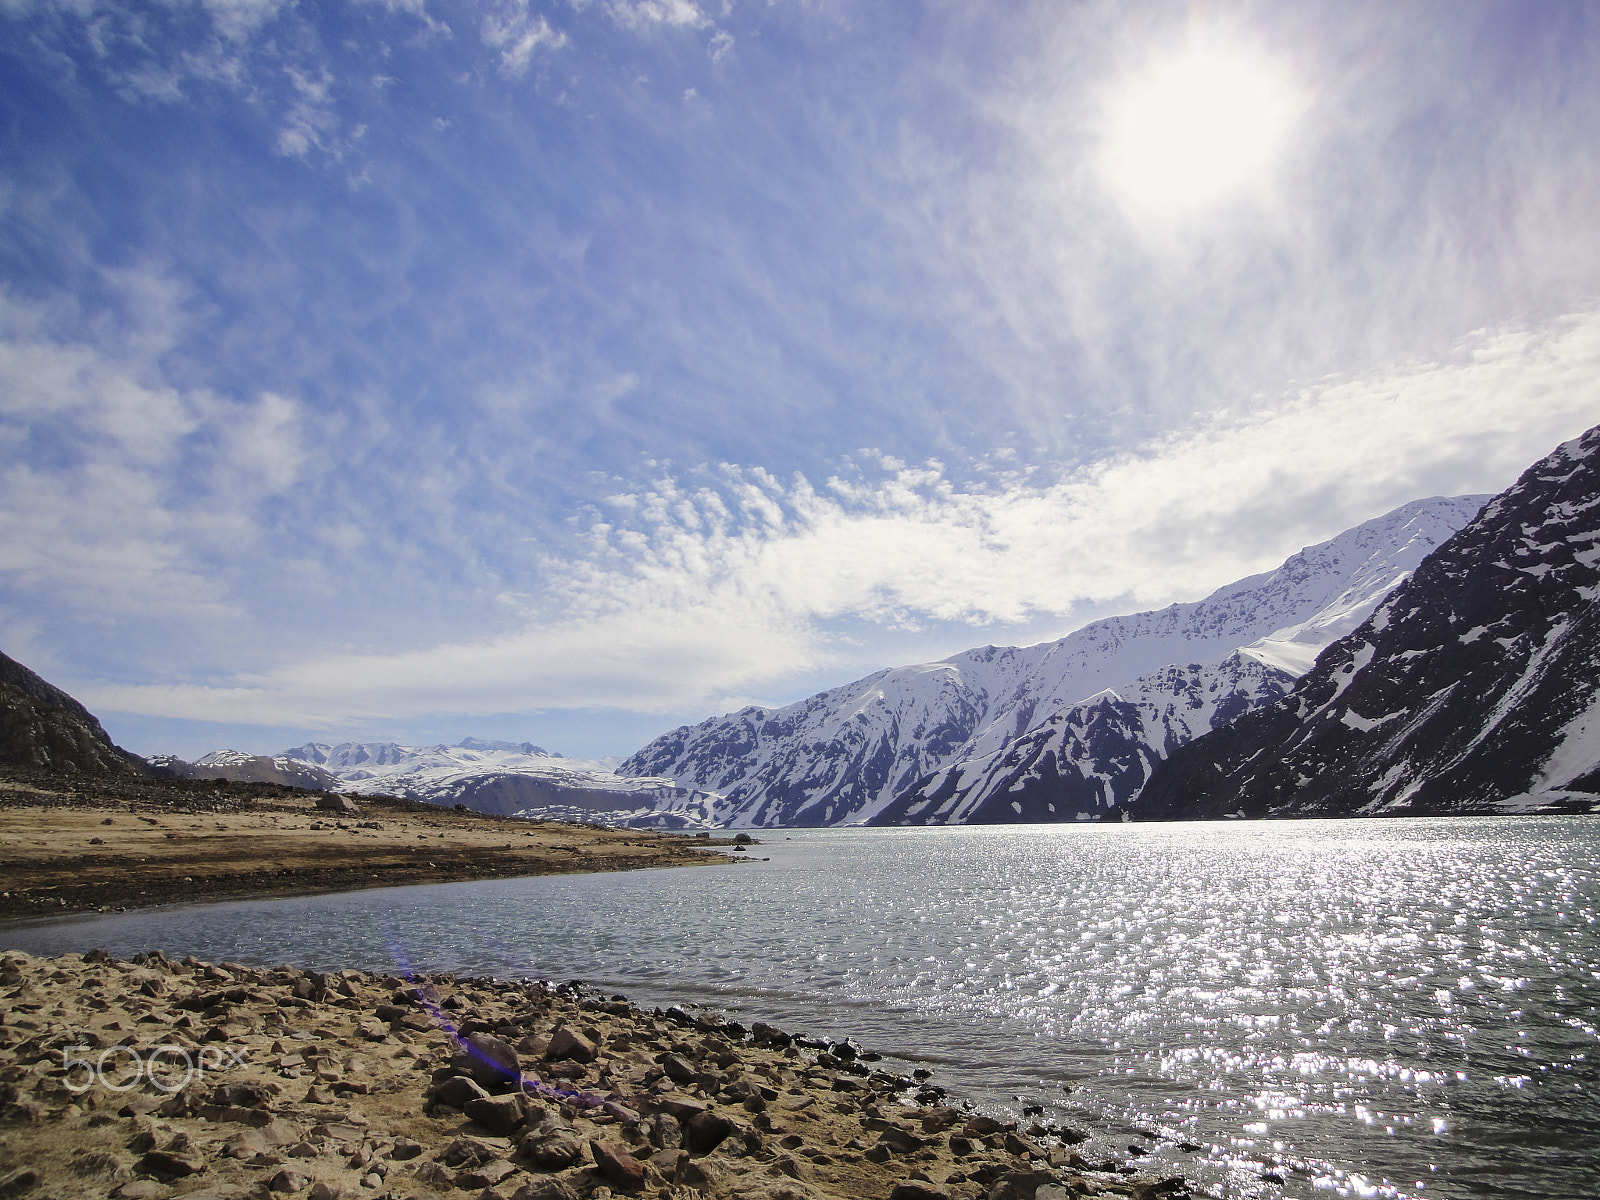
x=1474 y=688
x=41 y=727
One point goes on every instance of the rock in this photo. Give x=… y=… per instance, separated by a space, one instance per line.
x=173 y=1164
x=333 y=802
x=485 y=1175
x=18 y=1181
x=1016 y=1144
x=547 y=1188
x=458 y=1091
x=980 y=1126
x=488 y=1061
x=555 y=1149
x=322 y=1191
x=911 y=1189
x=937 y=1120
x=568 y=1043
x=142 y=1189
x=288 y=1180
x=405 y=1149
x=468 y=1152
x=435 y=1175
x=769 y=1035
x=619 y=1167
x=246 y=1144
x=500 y=1115
x=243 y=1095
x=678 y=1069
x=900 y=1141
x=705 y=1132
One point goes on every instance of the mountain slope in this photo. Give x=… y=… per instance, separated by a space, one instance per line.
x=242 y=767
x=1474 y=688
x=42 y=727
x=850 y=754
x=507 y=779
x=1090 y=761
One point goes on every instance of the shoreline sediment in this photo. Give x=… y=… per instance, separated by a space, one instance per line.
x=100 y=845
x=345 y=1084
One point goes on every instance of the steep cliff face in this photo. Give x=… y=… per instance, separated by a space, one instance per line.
x=44 y=728
x=1475 y=687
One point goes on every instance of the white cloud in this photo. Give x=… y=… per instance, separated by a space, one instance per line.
x=517 y=33
x=640 y=13
x=117 y=489
x=698 y=594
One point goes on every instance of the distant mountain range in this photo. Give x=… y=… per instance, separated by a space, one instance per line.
x=1474 y=688
x=507 y=778
x=1066 y=730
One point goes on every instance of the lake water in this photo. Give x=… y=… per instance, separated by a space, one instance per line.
x=1394 y=1008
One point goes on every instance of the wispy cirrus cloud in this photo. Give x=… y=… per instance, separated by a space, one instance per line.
x=719 y=587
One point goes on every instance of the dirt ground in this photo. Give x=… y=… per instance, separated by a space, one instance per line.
x=95 y=845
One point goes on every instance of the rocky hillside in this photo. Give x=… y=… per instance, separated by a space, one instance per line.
x=1474 y=688
x=241 y=767
x=1052 y=731
x=41 y=727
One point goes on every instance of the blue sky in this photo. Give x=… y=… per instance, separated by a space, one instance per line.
x=571 y=370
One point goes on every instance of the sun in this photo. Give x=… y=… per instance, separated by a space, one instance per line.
x=1190 y=131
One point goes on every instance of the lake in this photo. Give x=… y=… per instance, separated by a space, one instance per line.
x=1372 y=1008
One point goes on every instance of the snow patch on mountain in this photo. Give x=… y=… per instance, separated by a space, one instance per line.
x=847 y=755
x=509 y=778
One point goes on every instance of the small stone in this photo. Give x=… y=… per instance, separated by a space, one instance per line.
x=500 y=1115
x=18 y=1181
x=678 y=1070
x=288 y=1180
x=142 y=1189
x=172 y=1164
x=547 y=1188
x=898 y=1140
x=705 y=1132
x=404 y=1149
x=246 y=1144
x=554 y=1150
x=435 y=1175
x=322 y=1191
x=489 y=1061
x=568 y=1043
x=618 y=1166
x=913 y=1190
x=486 y=1175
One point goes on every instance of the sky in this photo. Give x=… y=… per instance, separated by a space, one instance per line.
x=571 y=370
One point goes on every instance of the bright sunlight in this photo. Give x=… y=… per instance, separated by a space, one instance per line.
x=1195 y=129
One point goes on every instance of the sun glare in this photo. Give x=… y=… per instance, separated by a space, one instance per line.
x=1195 y=129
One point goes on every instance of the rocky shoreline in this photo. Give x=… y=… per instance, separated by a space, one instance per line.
x=284 y=1082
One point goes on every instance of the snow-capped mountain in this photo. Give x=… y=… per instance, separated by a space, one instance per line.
x=508 y=778
x=1090 y=761
x=1475 y=687
x=1007 y=715
x=241 y=766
